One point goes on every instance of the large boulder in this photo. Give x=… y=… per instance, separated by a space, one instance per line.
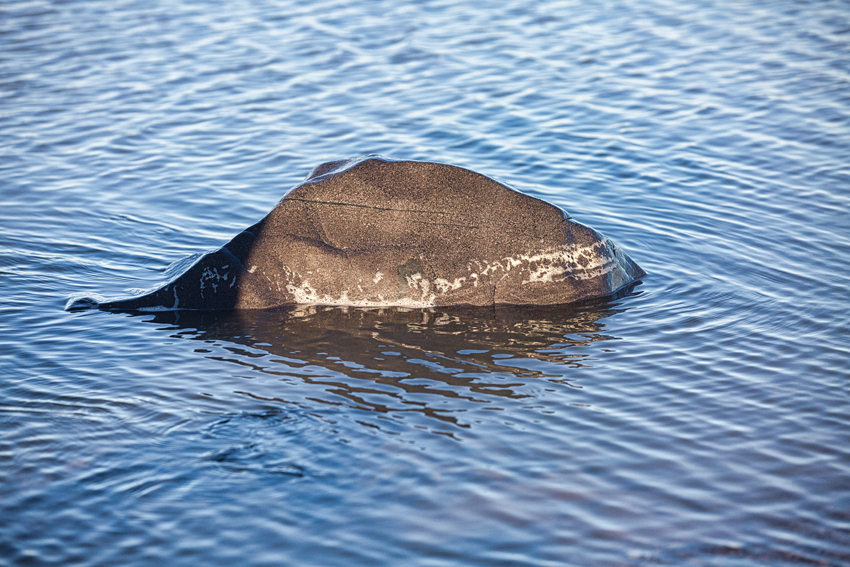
x=374 y=231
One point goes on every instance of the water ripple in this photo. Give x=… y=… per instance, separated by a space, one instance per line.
x=699 y=420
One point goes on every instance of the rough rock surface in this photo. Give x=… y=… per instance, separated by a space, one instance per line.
x=373 y=231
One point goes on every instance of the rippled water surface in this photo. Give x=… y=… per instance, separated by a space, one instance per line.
x=700 y=420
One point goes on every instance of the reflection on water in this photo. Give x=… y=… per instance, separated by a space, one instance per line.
x=396 y=359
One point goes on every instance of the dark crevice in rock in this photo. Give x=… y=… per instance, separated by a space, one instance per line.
x=373 y=207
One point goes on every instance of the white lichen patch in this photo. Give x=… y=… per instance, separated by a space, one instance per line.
x=444 y=286
x=420 y=283
x=553 y=265
x=559 y=264
x=213 y=278
x=174 y=306
x=305 y=293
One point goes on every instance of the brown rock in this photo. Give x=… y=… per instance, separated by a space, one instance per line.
x=374 y=231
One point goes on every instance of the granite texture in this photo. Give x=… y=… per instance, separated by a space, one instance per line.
x=373 y=231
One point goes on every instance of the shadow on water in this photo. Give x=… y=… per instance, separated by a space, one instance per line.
x=396 y=359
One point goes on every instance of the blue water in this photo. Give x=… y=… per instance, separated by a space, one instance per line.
x=703 y=420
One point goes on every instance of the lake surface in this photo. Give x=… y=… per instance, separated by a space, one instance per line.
x=703 y=419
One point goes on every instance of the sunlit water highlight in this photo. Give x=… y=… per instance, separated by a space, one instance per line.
x=701 y=420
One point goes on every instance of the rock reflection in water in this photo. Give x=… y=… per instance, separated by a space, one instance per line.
x=397 y=359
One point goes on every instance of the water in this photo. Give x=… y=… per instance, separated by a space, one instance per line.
x=701 y=420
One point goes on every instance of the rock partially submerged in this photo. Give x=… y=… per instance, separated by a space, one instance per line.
x=378 y=232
